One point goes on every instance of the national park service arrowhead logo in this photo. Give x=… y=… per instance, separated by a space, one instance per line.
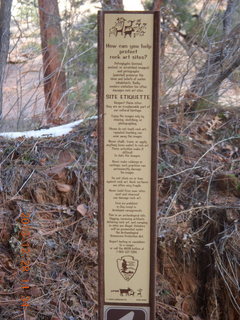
x=127 y=266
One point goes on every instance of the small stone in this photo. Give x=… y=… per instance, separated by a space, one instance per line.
x=64 y=188
x=82 y=209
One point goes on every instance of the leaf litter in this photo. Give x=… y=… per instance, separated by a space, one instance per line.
x=55 y=180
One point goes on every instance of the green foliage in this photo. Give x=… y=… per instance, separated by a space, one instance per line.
x=203 y=28
x=183 y=11
x=80 y=98
x=82 y=49
x=222 y=116
x=162 y=166
x=27 y=11
x=27 y=158
x=148 y=4
x=76 y=3
x=31 y=49
x=80 y=37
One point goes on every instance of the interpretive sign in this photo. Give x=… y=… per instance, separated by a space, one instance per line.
x=128 y=121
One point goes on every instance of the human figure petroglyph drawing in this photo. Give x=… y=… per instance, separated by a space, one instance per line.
x=139 y=292
x=128 y=30
x=124 y=265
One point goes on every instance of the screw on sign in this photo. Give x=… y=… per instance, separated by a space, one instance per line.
x=118 y=314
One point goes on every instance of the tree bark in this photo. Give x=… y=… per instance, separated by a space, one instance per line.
x=157 y=4
x=228 y=16
x=113 y=4
x=5 y=19
x=221 y=62
x=54 y=74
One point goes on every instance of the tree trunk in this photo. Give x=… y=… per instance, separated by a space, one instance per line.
x=221 y=62
x=5 y=19
x=54 y=74
x=228 y=16
x=157 y=4
x=113 y=4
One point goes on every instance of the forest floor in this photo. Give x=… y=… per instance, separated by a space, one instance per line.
x=54 y=181
x=23 y=94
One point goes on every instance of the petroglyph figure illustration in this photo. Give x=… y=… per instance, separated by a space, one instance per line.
x=128 y=30
x=131 y=28
x=139 y=292
x=118 y=28
x=126 y=292
x=124 y=265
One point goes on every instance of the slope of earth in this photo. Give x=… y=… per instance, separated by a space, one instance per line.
x=54 y=182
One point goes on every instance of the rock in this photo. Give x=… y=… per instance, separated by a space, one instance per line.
x=82 y=209
x=64 y=188
x=59 y=172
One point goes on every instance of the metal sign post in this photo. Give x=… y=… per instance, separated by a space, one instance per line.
x=128 y=120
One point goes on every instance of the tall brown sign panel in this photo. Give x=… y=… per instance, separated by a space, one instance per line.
x=128 y=89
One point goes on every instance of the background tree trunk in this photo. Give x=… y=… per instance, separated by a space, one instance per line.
x=157 y=4
x=228 y=16
x=54 y=74
x=221 y=62
x=113 y=4
x=5 y=19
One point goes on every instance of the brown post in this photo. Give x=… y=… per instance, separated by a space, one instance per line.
x=128 y=139
x=54 y=75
